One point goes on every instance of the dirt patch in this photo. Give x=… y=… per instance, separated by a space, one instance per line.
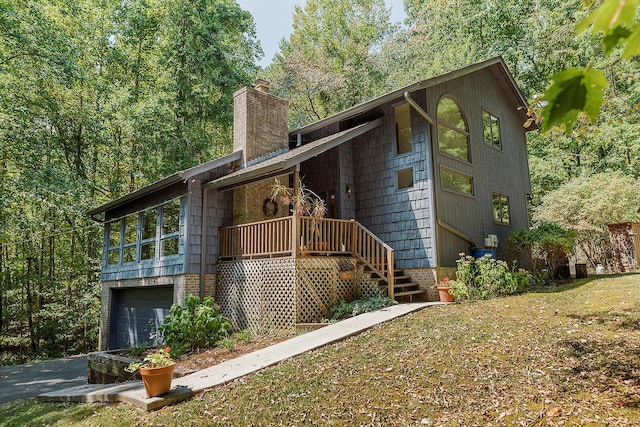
x=196 y=361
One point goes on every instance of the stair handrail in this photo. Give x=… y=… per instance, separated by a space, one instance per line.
x=379 y=258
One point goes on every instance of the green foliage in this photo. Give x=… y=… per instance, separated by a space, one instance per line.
x=575 y=90
x=193 y=326
x=588 y=204
x=484 y=277
x=547 y=242
x=329 y=61
x=157 y=358
x=345 y=310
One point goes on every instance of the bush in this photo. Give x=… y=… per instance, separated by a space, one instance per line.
x=549 y=243
x=483 y=278
x=345 y=310
x=193 y=326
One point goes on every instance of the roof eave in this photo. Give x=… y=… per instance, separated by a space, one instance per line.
x=182 y=175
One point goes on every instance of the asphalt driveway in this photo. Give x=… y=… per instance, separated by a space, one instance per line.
x=23 y=381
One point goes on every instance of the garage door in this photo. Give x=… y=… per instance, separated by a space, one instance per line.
x=137 y=313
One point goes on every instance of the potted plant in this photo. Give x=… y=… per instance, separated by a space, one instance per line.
x=156 y=371
x=443 y=290
x=346 y=270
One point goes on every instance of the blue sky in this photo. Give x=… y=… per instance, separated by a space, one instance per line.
x=273 y=21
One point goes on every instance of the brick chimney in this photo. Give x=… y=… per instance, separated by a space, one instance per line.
x=260 y=121
x=260 y=127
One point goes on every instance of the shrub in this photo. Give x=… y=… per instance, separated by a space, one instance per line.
x=483 y=278
x=345 y=310
x=193 y=326
x=547 y=242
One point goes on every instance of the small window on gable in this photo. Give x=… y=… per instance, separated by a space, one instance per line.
x=501 y=209
x=456 y=182
x=404 y=178
x=404 y=142
x=491 y=126
x=453 y=136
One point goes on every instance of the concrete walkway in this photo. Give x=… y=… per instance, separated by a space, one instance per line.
x=185 y=387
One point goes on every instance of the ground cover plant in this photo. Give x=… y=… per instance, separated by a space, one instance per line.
x=344 y=310
x=566 y=355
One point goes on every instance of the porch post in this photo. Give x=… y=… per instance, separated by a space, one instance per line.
x=295 y=220
x=391 y=272
x=295 y=227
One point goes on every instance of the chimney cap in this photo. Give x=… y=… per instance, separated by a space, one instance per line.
x=262 y=85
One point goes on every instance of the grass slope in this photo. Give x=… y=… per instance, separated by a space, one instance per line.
x=570 y=356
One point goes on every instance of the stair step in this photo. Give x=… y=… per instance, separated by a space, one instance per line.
x=405 y=285
x=414 y=292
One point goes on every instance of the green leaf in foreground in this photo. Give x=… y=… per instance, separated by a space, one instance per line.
x=633 y=44
x=572 y=91
x=610 y=15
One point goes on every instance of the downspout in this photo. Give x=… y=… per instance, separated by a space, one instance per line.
x=458 y=233
x=203 y=242
x=418 y=108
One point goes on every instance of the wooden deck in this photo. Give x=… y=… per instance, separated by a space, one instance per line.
x=296 y=236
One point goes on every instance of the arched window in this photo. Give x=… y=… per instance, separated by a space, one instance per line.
x=453 y=134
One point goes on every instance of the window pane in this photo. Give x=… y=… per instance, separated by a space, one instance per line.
x=171 y=217
x=491 y=129
x=497 y=209
x=149 y=220
x=114 y=233
x=403 y=128
x=114 y=257
x=456 y=182
x=148 y=251
x=501 y=209
x=449 y=112
x=170 y=246
x=129 y=254
x=405 y=178
x=453 y=143
x=131 y=229
x=505 y=210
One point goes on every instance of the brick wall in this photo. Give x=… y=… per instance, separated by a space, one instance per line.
x=248 y=201
x=427 y=279
x=260 y=123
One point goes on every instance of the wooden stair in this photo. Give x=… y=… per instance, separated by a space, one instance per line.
x=404 y=288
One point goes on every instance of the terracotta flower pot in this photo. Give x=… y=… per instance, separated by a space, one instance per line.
x=157 y=381
x=445 y=296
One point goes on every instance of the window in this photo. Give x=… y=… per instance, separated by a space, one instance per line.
x=501 y=209
x=115 y=235
x=404 y=178
x=130 y=238
x=404 y=142
x=457 y=182
x=170 y=227
x=491 y=126
x=136 y=237
x=148 y=242
x=453 y=137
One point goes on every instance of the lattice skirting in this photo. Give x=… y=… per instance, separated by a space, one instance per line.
x=275 y=294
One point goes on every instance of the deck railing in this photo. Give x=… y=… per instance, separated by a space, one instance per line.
x=295 y=235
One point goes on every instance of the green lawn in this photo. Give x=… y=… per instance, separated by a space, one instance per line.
x=567 y=356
